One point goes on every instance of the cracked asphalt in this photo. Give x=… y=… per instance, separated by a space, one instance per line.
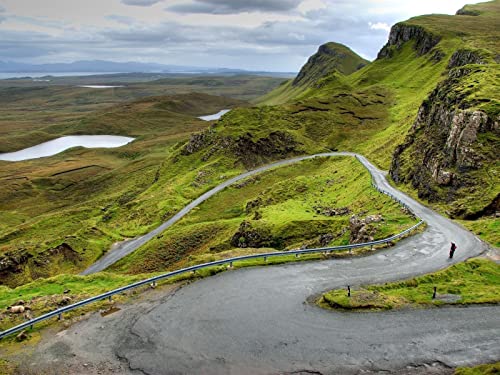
x=258 y=320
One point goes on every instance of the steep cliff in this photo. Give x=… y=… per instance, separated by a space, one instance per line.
x=451 y=152
x=402 y=33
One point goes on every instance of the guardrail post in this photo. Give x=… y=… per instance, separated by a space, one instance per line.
x=59 y=317
x=154 y=284
x=296 y=255
x=110 y=299
x=265 y=259
x=371 y=247
x=230 y=264
x=434 y=294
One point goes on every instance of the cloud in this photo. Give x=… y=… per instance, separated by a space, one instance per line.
x=234 y=6
x=141 y=3
x=281 y=34
x=379 y=26
x=120 y=19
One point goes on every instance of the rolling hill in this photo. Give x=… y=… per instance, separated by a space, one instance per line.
x=427 y=109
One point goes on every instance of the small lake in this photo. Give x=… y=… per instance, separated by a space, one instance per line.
x=60 y=144
x=215 y=116
x=99 y=86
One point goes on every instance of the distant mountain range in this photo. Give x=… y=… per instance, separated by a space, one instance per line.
x=102 y=66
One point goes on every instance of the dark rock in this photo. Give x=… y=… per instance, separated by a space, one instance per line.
x=196 y=143
x=463 y=57
x=248 y=236
x=276 y=145
x=325 y=239
x=22 y=336
x=331 y=211
x=361 y=230
x=251 y=205
x=448 y=142
x=402 y=33
x=464 y=11
x=64 y=301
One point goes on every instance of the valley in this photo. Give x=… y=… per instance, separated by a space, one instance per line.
x=217 y=166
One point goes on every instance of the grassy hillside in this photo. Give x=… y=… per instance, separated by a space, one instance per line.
x=308 y=204
x=61 y=216
x=431 y=96
x=50 y=207
x=57 y=107
x=330 y=60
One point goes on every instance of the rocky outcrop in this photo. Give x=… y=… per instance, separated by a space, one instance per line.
x=332 y=211
x=277 y=144
x=361 y=229
x=466 y=11
x=13 y=264
x=402 y=33
x=463 y=57
x=450 y=147
x=248 y=236
x=249 y=151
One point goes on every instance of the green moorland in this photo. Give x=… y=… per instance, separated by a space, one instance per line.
x=51 y=207
x=285 y=208
x=60 y=216
x=56 y=108
x=486 y=369
x=446 y=64
x=471 y=282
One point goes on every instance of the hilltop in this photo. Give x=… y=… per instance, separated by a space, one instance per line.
x=331 y=59
x=427 y=109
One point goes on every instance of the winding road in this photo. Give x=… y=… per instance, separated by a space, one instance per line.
x=259 y=321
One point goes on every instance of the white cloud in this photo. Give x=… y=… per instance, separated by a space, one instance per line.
x=309 y=5
x=379 y=26
x=141 y=3
x=251 y=34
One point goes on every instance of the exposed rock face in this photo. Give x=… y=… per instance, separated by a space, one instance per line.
x=14 y=263
x=402 y=33
x=247 y=236
x=332 y=211
x=196 y=143
x=361 y=230
x=465 y=11
x=463 y=57
x=249 y=151
x=449 y=145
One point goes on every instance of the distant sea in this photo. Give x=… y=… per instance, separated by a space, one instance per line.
x=43 y=74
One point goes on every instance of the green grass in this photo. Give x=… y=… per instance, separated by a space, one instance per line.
x=89 y=199
x=486 y=369
x=281 y=208
x=58 y=107
x=472 y=282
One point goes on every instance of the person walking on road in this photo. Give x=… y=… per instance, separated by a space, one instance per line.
x=452 y=249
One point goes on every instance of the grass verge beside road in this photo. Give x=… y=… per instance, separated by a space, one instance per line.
x=471 y=282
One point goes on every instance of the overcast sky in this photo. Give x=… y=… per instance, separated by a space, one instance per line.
x=275 y=35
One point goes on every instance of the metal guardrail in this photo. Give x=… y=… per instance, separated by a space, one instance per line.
x=152 y=280
x=58 y=312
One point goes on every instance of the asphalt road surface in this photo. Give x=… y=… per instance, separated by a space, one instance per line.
x=259 y=320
